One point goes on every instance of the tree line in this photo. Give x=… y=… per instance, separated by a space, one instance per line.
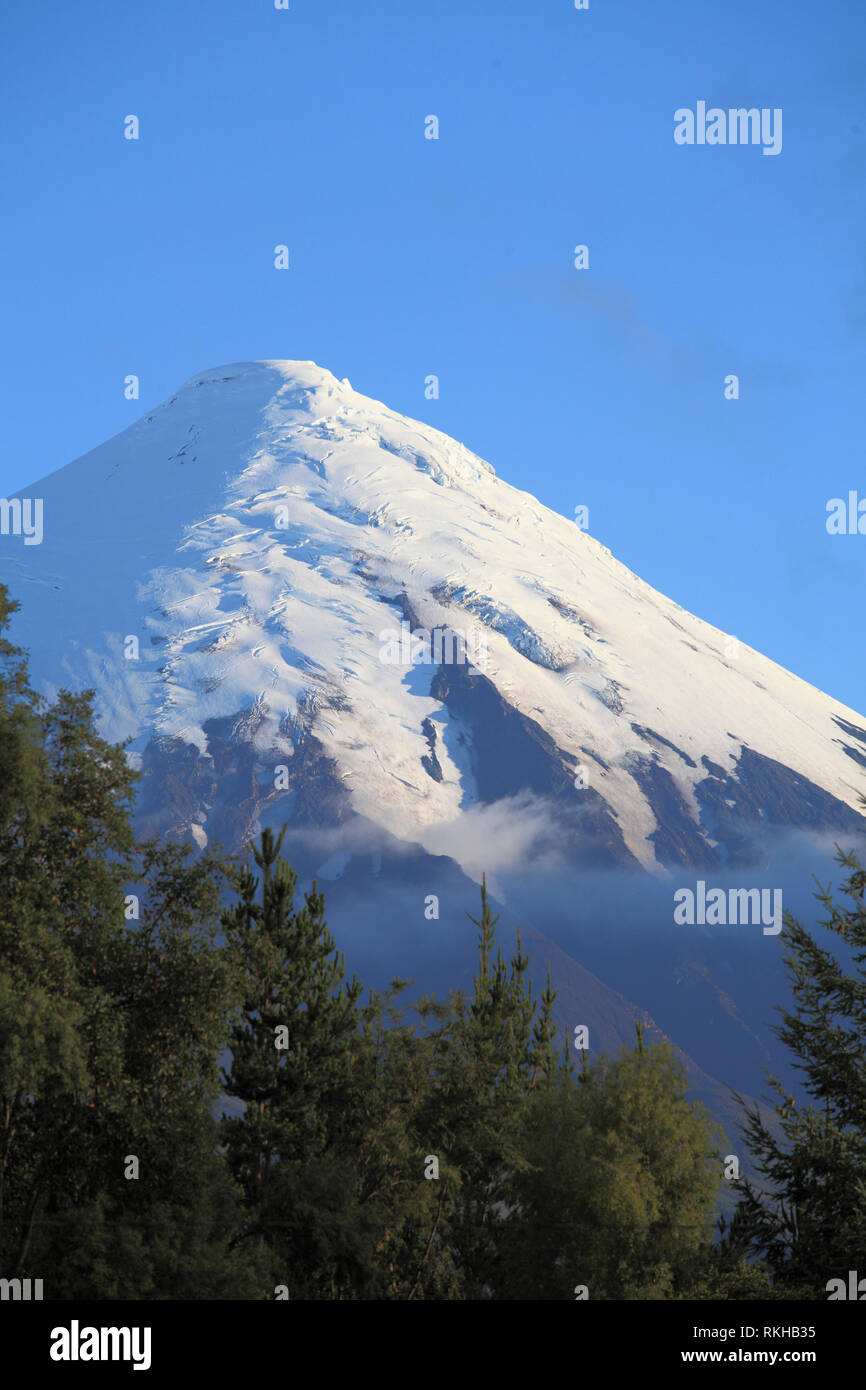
x=196 y=1102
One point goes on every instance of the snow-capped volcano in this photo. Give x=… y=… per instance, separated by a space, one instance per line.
x=245 y=574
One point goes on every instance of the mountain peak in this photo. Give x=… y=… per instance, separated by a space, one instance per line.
x=235 y=573
x=305 y=374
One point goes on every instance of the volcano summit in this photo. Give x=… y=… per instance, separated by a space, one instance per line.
x=227 y=571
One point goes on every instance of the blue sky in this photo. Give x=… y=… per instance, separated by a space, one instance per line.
x=602 y=387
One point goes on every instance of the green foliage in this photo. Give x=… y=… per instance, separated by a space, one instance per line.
x=318 y=1175
x=620 y=1193
x=485 y=1060
x=291 y=1138
x=808 y=1219
x=108 y=1035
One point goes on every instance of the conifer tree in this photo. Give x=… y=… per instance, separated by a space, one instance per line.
x=808 y=1218
x=489 y=1054
x=293 y=1050
x=403 y=1188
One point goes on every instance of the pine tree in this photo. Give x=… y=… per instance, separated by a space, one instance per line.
x=293 y=1050
x=402 y=1203
x=808 y=1220
x=489 y=1053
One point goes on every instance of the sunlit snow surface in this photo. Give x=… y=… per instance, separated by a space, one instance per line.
x=172 y=532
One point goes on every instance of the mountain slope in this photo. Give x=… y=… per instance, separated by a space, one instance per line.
x=243 y=575
x=261 y=534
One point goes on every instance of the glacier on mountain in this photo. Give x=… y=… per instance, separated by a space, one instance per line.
x=255 y=536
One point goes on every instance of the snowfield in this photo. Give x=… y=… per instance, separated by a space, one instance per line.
x=263 y=531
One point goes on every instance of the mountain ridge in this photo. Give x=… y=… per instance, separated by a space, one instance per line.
x=256 y=538
x=239 y=574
